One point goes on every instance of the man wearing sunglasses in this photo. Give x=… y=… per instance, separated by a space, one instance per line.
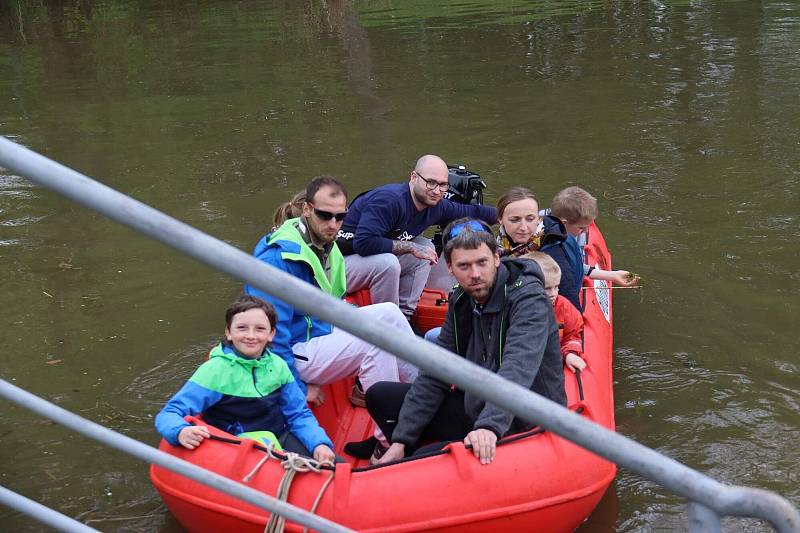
x=499 y=318
x=382 y=234
x=318 y=353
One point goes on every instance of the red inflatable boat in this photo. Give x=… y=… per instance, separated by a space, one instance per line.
x=538 y=481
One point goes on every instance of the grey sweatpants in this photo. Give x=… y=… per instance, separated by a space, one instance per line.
x=398 y=279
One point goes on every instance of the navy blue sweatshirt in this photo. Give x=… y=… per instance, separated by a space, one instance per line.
x=388 y=213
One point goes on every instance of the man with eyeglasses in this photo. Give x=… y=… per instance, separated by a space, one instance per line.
x=382 y=240
x=499 y=318
x=317 y=352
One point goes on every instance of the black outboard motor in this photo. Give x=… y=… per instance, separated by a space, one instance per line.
x=465 y=188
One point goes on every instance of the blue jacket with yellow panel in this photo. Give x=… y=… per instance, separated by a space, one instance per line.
x=285 y=249
x=238 y=394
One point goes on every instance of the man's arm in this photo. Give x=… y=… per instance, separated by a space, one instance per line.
x=451 y=211
x=482 y=441
x=379 y=216
x=417 y=250
x=530 y=323
x=425 y=396
x=419 y=407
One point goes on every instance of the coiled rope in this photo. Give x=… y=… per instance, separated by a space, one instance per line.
x=292 y=464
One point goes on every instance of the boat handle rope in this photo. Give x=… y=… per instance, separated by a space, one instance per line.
x=327 y=466
x=505 y=440
x=292 y=463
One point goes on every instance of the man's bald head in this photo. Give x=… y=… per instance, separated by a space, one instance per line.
x=431 y=164
x=428 y=181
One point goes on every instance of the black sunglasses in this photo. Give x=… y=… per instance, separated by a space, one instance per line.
x=327 y=215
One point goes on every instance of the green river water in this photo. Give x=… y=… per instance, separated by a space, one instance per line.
x=682 y=117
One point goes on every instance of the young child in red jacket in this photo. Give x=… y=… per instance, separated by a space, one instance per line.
x=569 y=319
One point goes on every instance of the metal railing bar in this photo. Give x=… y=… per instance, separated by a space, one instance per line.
x=678 y=478
x=702 y=519
x=151 y=455
x=42 y=513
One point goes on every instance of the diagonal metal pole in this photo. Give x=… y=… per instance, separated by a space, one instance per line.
x=702 y=519
x=675 y=476
x=152 y=455
x=42 y=513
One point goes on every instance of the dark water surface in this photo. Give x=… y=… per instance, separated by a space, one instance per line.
x=683 y=118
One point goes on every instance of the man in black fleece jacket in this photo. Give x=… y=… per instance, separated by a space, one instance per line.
x=499 y=318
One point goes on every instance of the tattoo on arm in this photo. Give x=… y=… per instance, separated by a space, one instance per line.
x=403 y=247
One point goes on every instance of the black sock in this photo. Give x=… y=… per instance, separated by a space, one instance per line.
x=361 y=449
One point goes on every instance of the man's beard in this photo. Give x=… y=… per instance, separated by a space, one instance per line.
x=480 y=294
x=316 y=236
x=424 y=199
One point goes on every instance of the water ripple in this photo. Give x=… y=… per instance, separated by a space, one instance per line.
x=22 y=221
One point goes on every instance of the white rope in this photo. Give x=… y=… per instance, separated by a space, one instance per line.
x=319 y=496
x=292 y=464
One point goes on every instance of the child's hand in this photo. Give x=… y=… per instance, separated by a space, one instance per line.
x=324 y=454
x=624 y=278
x=575 y=362
x=191 y=437
x=314 y=396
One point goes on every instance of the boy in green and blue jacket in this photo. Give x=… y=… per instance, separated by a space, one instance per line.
x=246 y=390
